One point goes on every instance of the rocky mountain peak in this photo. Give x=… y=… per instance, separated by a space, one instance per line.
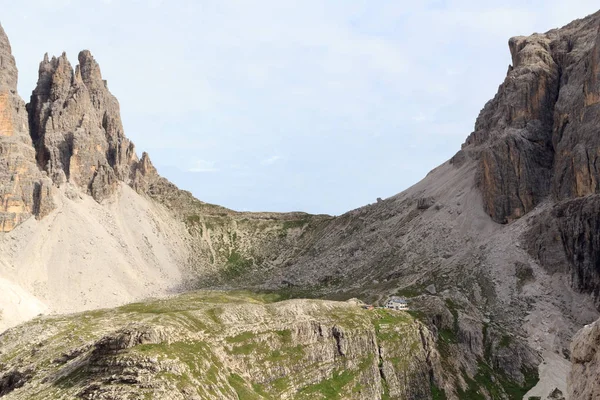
x=23 y=190
x=76 y=127
x=8 y=68
x=536 y=137
x=90 y=71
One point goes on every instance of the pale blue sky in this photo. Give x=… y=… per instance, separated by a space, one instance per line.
x=313 y=105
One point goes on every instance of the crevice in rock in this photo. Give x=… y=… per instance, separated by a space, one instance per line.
x=14 y=380
x=338 y=335
x=37 y=198
x=380 y=366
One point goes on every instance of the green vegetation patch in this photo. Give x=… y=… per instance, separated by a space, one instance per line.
x=505 y=341
x=387 y=320
x=437 y=393
x=295 y=224
x=281 y=384
x=243 y=391
x=524 y=274
x=454 y=310
x=236 y=265
x=497 y=385
x=285 y=335
x=242 y=337
x=244 y=349
x=331 y=388
x=450 y=335
x=287 y=354
x=192 y=219
x=72 y=379
x=200 y=300
x=411 y=291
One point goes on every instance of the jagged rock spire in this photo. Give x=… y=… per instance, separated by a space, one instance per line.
x=76 y=127
x=8 y=67
x=23 y=190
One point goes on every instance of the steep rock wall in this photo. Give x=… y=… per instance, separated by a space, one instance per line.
x=24 y=191
x=537 y=136
x=583 y=380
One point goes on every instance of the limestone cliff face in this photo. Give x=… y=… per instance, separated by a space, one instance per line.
x=566 y=239
x=77 y=131
x=538 y=139
x=583 y=380
x=218 y=345
x=24 y=191
x=537 y=136
x=514 y=130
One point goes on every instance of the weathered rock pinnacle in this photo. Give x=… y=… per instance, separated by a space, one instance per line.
x=76 y=127
x=23 y=190
x=7 y=63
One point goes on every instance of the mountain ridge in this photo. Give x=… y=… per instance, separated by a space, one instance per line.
x=497 y=248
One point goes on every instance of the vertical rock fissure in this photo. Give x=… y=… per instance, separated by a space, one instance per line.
x=428 y=361
x=37 y=198
x=338 y=336
x=382 y=376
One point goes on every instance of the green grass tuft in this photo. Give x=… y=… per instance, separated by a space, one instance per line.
x=330 y=388
x=237 y=265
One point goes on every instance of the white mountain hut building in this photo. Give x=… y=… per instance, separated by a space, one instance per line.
x=397 y=303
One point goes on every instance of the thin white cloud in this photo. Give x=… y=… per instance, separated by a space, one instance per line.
x=420 y=117
x=271 y=160
x=203 y=166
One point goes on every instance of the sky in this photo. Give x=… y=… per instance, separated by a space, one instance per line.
x=282 y=105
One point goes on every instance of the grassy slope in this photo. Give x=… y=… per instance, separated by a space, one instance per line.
x=216 y=345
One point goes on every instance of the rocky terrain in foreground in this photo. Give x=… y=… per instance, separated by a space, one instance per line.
x=222 y=345
x=584 y=382
x=498 y=250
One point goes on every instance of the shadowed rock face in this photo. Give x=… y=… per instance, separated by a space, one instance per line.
x=538 y=135
x=76 y=128
x=23 y=190
x=569 y=235
x=538 y=139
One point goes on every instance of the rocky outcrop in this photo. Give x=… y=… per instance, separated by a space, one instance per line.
x=566 y=239
x=537 y=139
x=77 y=131
x=577 y=114
x=514 y=132
x=583 y=382
x=556 y=394
x=212 y=345
x=12 y=380
x=537 y=136
x=74 y=124
x=24 y=191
